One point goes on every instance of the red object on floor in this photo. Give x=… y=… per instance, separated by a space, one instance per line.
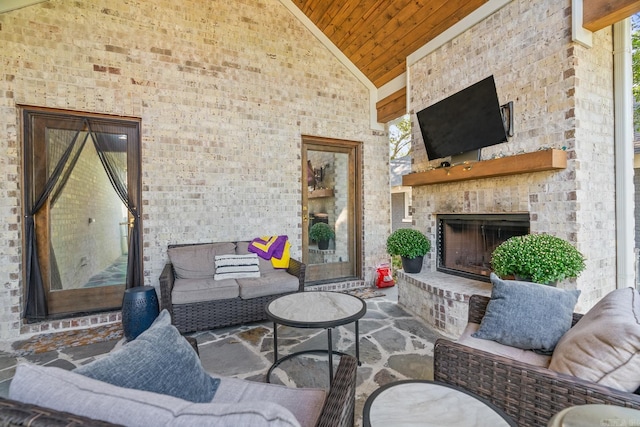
x=384 y=279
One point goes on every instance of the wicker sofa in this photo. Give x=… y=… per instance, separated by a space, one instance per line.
x=530 y=394
x=218 y=308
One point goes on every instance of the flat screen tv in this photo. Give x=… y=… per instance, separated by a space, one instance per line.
x=468 y=120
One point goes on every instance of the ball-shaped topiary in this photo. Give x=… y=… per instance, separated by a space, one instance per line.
x=541 y=258
x=408 y=243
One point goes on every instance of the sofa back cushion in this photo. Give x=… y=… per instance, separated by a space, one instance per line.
x=604 y=346
x=62 y=390
x=197 y=261
x=242 y=248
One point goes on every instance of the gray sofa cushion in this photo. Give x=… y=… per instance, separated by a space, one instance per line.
x=271 y=283
x=304 y=403
x=527 y=315
x=526 y=356
x=158 y=360
x=67 y=391
x=198 y=261
x=242 y=248
x=187 y=291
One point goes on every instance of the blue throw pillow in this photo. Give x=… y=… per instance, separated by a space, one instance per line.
x=527 y=315
x=159 y=360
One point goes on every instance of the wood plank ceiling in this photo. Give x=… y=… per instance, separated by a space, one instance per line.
x=378 y=35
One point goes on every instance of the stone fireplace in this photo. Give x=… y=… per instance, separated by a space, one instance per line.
x=563 y=103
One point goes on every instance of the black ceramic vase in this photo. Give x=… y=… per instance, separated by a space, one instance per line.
x=412 y=265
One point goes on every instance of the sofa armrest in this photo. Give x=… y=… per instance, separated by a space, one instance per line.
x=338 y=410
x=529 y=394
x=14 y=413
x=298 y=269
x=167 y=280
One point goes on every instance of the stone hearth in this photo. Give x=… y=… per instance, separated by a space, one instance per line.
x=440 y=299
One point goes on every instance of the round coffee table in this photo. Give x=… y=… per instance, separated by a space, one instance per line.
x=314 y=309
x=428 y=403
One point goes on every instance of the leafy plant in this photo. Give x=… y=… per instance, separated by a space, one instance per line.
x=408 y=243
x=321 y=231
x=541 y=258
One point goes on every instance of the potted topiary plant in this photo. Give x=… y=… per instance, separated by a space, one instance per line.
x=321 y=233
x=539 y=258
x=411 y=245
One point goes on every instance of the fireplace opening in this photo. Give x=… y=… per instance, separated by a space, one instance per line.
x=465 y=242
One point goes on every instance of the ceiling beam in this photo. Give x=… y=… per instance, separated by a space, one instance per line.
x=598 y=14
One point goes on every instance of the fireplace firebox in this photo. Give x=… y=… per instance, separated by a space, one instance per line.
x=465 y=242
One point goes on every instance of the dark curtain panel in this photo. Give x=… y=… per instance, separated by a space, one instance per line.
x=111 y=144
x=35 y=307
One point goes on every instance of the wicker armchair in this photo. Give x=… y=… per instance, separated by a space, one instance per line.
x=205 y=315
x=529 y=394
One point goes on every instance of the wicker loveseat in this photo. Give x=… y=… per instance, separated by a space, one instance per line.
x=228 y=302
x=530 y=394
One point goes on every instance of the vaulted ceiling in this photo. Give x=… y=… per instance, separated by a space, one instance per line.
x=377 y=36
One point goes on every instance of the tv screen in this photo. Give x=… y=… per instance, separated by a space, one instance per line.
x=466 y=121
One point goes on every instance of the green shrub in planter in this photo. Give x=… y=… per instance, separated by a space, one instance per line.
x=408 y=243
x=541 y=258
x=321 y=231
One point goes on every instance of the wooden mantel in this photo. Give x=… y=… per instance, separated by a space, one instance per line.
x=538 y=161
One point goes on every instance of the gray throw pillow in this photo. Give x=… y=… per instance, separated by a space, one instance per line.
x=159 y=360
x=527 y=315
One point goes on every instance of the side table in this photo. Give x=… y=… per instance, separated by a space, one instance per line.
x=139 y=310
x=430 y=404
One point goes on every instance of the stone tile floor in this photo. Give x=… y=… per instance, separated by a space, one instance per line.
x=394 y=345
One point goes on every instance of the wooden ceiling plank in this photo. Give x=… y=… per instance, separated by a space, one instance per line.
x=381 y=66
x=598 y=14
x=378 y=23
x=336 y=29
x=411 y=26
x=320 y=8
x=356 y=22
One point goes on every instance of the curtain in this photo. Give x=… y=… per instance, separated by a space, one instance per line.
x=110 y=146
x=35 y=307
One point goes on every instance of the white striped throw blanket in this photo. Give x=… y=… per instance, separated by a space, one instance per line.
x=236 y=266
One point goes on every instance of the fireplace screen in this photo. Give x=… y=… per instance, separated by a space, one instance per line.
x=465 y=242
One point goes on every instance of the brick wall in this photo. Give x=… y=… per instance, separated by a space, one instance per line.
x=563 y=96
x=225 y=90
